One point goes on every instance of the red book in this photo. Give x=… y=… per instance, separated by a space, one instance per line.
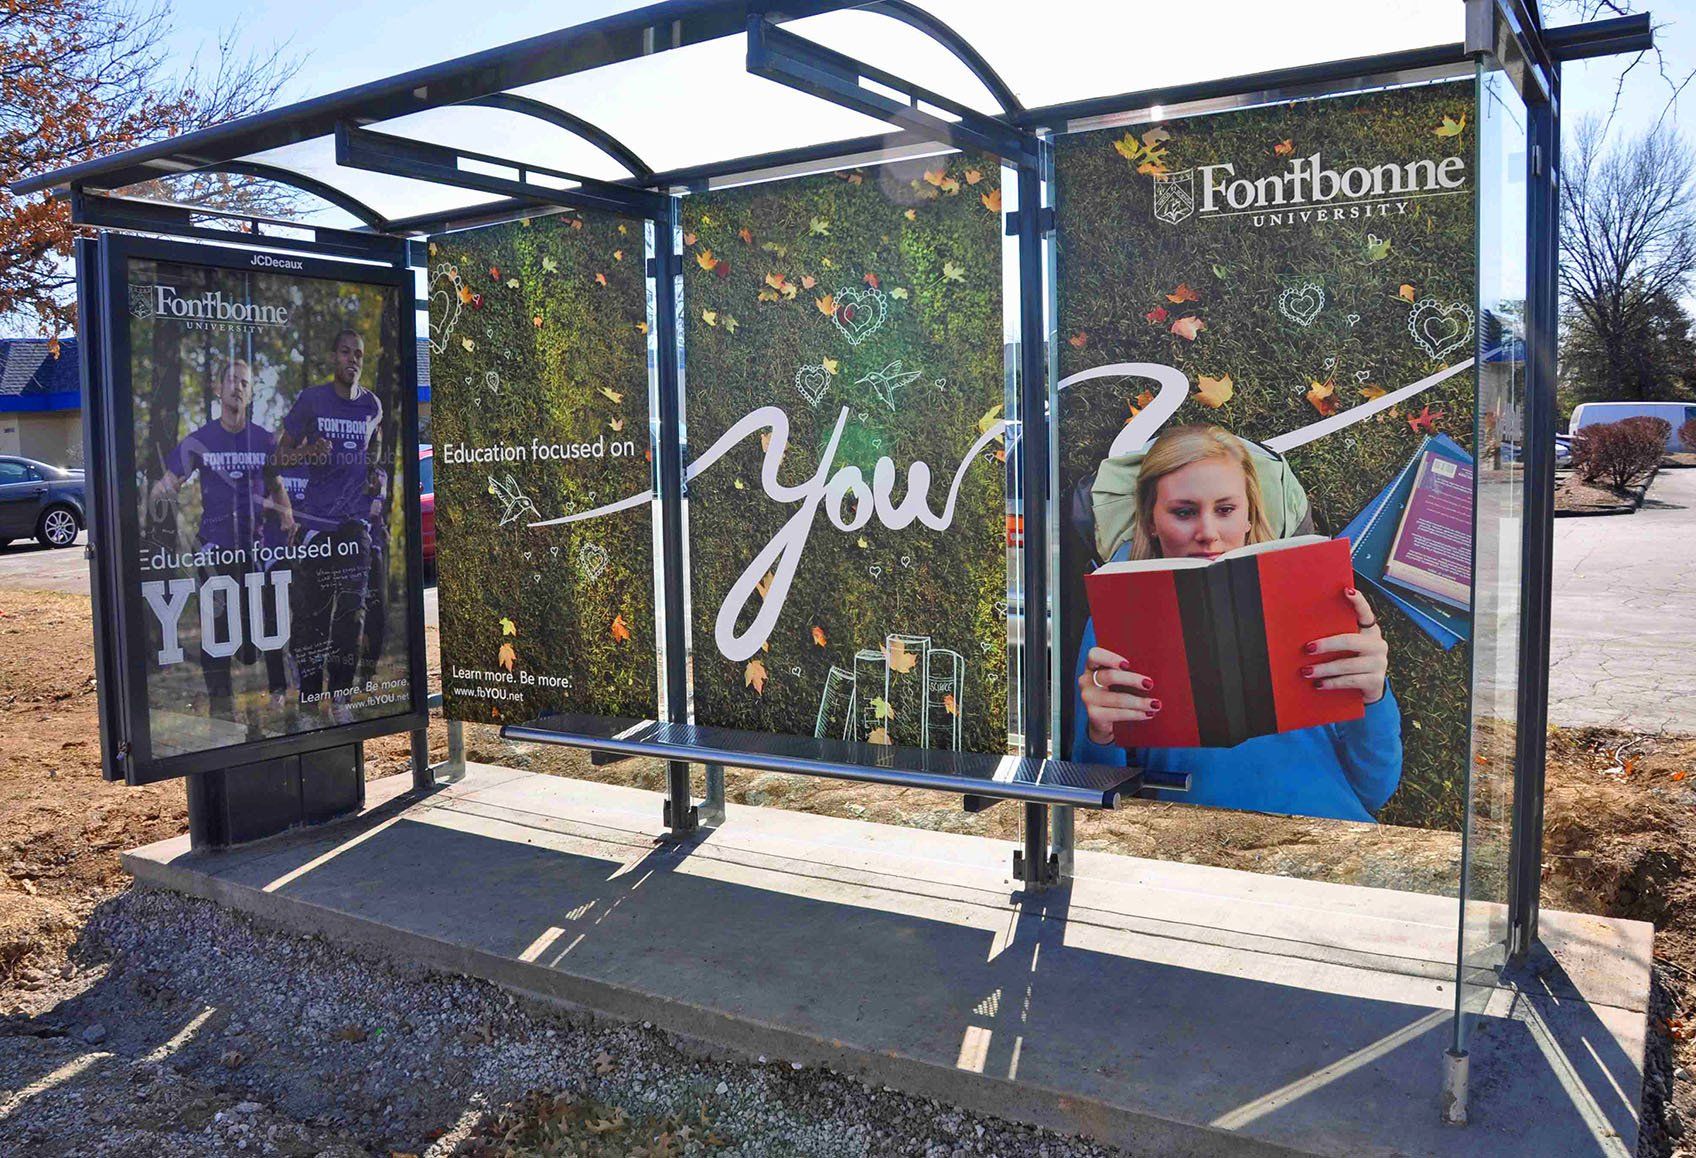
x=1224 y=640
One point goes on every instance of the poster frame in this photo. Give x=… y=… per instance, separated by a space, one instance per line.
x=114 y=538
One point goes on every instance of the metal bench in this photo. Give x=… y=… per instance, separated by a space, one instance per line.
x=982 y=781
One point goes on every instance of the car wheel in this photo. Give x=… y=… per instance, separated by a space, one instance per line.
x=58 y=527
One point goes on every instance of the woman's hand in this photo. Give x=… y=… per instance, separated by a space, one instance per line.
x=1368 y=664
x=1112 y=693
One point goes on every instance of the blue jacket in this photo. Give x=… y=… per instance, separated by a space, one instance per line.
x=1343 y=771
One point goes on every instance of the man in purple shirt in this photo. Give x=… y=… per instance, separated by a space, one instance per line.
x=277 y=537
x=333 y=430
x=231 y=458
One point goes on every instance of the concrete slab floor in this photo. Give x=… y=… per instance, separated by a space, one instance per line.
x=1166 y=1008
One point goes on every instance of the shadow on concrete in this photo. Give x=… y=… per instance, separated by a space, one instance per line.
x=1294 y=1051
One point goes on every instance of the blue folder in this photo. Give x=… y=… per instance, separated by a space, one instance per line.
x=1371 y=531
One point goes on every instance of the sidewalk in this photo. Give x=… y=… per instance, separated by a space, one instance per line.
x=1167 y=1008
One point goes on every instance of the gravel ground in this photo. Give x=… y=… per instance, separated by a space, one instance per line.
x=180 y=1028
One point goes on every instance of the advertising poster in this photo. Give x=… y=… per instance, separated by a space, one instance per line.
x=1266 y=341
x=269 y=443
x=539 y=349
x=847 y=499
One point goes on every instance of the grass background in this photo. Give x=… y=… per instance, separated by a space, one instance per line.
x=569 y=353
x=1117 y=263
x=890 y=223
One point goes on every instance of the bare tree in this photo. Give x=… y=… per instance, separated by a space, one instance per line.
x=83 y=78
x=1628 y=243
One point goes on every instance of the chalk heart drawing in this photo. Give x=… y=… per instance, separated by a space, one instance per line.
x=1439 y=329
x=877 y=570
x=1353 y=318
x=860 y=313
x=1302 y=303
x=1329 y=362
x=812 y=382
x=492 y=380
x=591 y=561
x=906 y=560
x=554 y=551
x=1362 y=375
x=445 y=306
x=795 y=671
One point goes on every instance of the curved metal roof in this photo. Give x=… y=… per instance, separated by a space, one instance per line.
x=660 y=96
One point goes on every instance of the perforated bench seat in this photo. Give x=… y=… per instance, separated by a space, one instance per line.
x=981 y=779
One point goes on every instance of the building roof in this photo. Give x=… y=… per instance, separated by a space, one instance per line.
x=32 y=379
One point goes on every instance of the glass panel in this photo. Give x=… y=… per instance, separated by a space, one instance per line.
x=540 y=338
x=1502 y=146
x=848 y=510
x=1106 y=46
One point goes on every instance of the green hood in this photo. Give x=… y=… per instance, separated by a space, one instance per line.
x=1113 y=498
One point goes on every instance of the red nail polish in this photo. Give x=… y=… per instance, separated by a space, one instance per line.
x=1124 y=665
x=1147 y=684
x=1350 y=592
x=1154 y=704
x=1311 y=648
x=1307 y=671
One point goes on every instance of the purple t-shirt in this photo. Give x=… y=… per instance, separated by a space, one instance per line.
x=336 y=489
x=232 y=479
x=293 y=479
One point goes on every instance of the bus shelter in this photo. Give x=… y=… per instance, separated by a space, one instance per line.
x=974 y=431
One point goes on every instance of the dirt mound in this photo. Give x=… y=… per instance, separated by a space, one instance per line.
x=1620 y=822
x=62 y=827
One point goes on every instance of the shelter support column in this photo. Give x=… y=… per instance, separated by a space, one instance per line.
x=681 y=815
x=1035 y=866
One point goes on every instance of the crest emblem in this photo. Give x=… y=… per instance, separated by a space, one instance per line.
x=1174 y=196
x=141 y=301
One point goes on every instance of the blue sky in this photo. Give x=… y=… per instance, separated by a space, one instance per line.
x=691 y=113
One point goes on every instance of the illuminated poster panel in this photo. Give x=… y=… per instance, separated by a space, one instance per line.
x=259 y=482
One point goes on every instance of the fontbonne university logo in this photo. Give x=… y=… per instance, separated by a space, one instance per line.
x=209 y=310
x=1174 y=196
x=141 y=301
x=1306 y=190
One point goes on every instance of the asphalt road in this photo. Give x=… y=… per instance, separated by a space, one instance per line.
x=27 y=565
x=1624 y=601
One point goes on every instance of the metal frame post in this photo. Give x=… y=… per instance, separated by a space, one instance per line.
x=711 y=807
x=423 y=776
x=1537 y=562
x=681 y=815
x=1034 y=866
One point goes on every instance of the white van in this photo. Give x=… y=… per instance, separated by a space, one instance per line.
x=1597 y=413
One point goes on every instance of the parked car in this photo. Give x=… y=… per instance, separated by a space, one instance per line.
x=1676 y=414
x=427 y=504
x=41 y=501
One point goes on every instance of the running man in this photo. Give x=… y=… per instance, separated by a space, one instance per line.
x=332 y=430
x=231 y=458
